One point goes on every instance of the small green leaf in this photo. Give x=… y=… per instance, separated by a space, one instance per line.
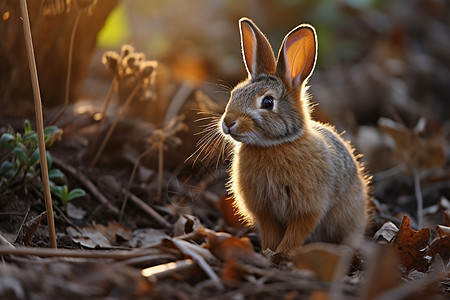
x=30 y=137
x=20 y=153
x=56 y=189
x=57 y=176
x=64 y=193
x=34 y=158
x=18 y=137
x=7 y=141
x=52 y=134
x=6 y=167
x=27 y=126
x=76 y=193
x=60 y=191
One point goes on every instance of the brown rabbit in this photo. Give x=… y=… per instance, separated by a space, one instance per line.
x=296 y=179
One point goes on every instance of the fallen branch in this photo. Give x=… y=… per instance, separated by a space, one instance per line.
x=147 y=209
x=200 y=261
x=98 y=254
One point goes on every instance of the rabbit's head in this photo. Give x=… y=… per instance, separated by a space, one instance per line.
x=269 y=108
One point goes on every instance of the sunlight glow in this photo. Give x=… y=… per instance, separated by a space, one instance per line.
x=164 y=268
x=98 y=116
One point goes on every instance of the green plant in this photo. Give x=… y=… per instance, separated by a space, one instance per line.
x=62 y=192
x=20 y=166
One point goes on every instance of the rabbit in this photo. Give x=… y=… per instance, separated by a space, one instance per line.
x=294 y=178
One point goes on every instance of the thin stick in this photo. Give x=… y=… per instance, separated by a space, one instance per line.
x=147 y=209
x=114 y=124
x=133 y=173
x=69 y=69
x=418 y=192
x=39 y=122
x=98 y=254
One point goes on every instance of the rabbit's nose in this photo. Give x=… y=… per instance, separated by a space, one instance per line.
x=227 y=127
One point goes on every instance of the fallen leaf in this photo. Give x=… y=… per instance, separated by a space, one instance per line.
x=185 y=224
x=441 y=244
x=100 y=236
x=328 y=261
x=224 y=246
x=89 y=237
x=386 y=233
x=411 y=246
x=147 y=236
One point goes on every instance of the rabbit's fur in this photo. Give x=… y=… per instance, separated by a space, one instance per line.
x=292 y=177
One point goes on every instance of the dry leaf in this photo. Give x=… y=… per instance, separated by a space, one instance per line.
x=328 y=261
x=225 y=247
x=100 y=236
x=386 y=233
x=441 y=244
x=147 y=236
x=89 y=237
x=411 y=246
x=185 y=224
x=234 y=272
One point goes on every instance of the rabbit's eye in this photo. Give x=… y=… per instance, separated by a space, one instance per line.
x=267 y=103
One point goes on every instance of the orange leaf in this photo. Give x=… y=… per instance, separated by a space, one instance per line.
x=411 y=246
x=225 y=247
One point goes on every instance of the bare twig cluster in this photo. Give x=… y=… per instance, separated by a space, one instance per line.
x=123 y=66
x=160 y=140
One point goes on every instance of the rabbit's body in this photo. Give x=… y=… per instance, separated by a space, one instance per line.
x=295 y=178
x=312 y=182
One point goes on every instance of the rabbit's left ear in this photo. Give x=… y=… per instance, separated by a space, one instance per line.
x=297 y=56
x=256 y=50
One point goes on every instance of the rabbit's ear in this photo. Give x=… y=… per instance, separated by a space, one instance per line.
x=297 y=56
x=256 y=50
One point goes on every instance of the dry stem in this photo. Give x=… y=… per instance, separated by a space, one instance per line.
x=133 y=173
x=39 y=122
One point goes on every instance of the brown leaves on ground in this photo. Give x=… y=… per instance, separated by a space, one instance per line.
x=411 y=246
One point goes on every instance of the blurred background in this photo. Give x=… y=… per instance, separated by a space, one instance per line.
x=382 y=78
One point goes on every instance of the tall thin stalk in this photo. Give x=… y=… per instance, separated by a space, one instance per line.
x=39 y=122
